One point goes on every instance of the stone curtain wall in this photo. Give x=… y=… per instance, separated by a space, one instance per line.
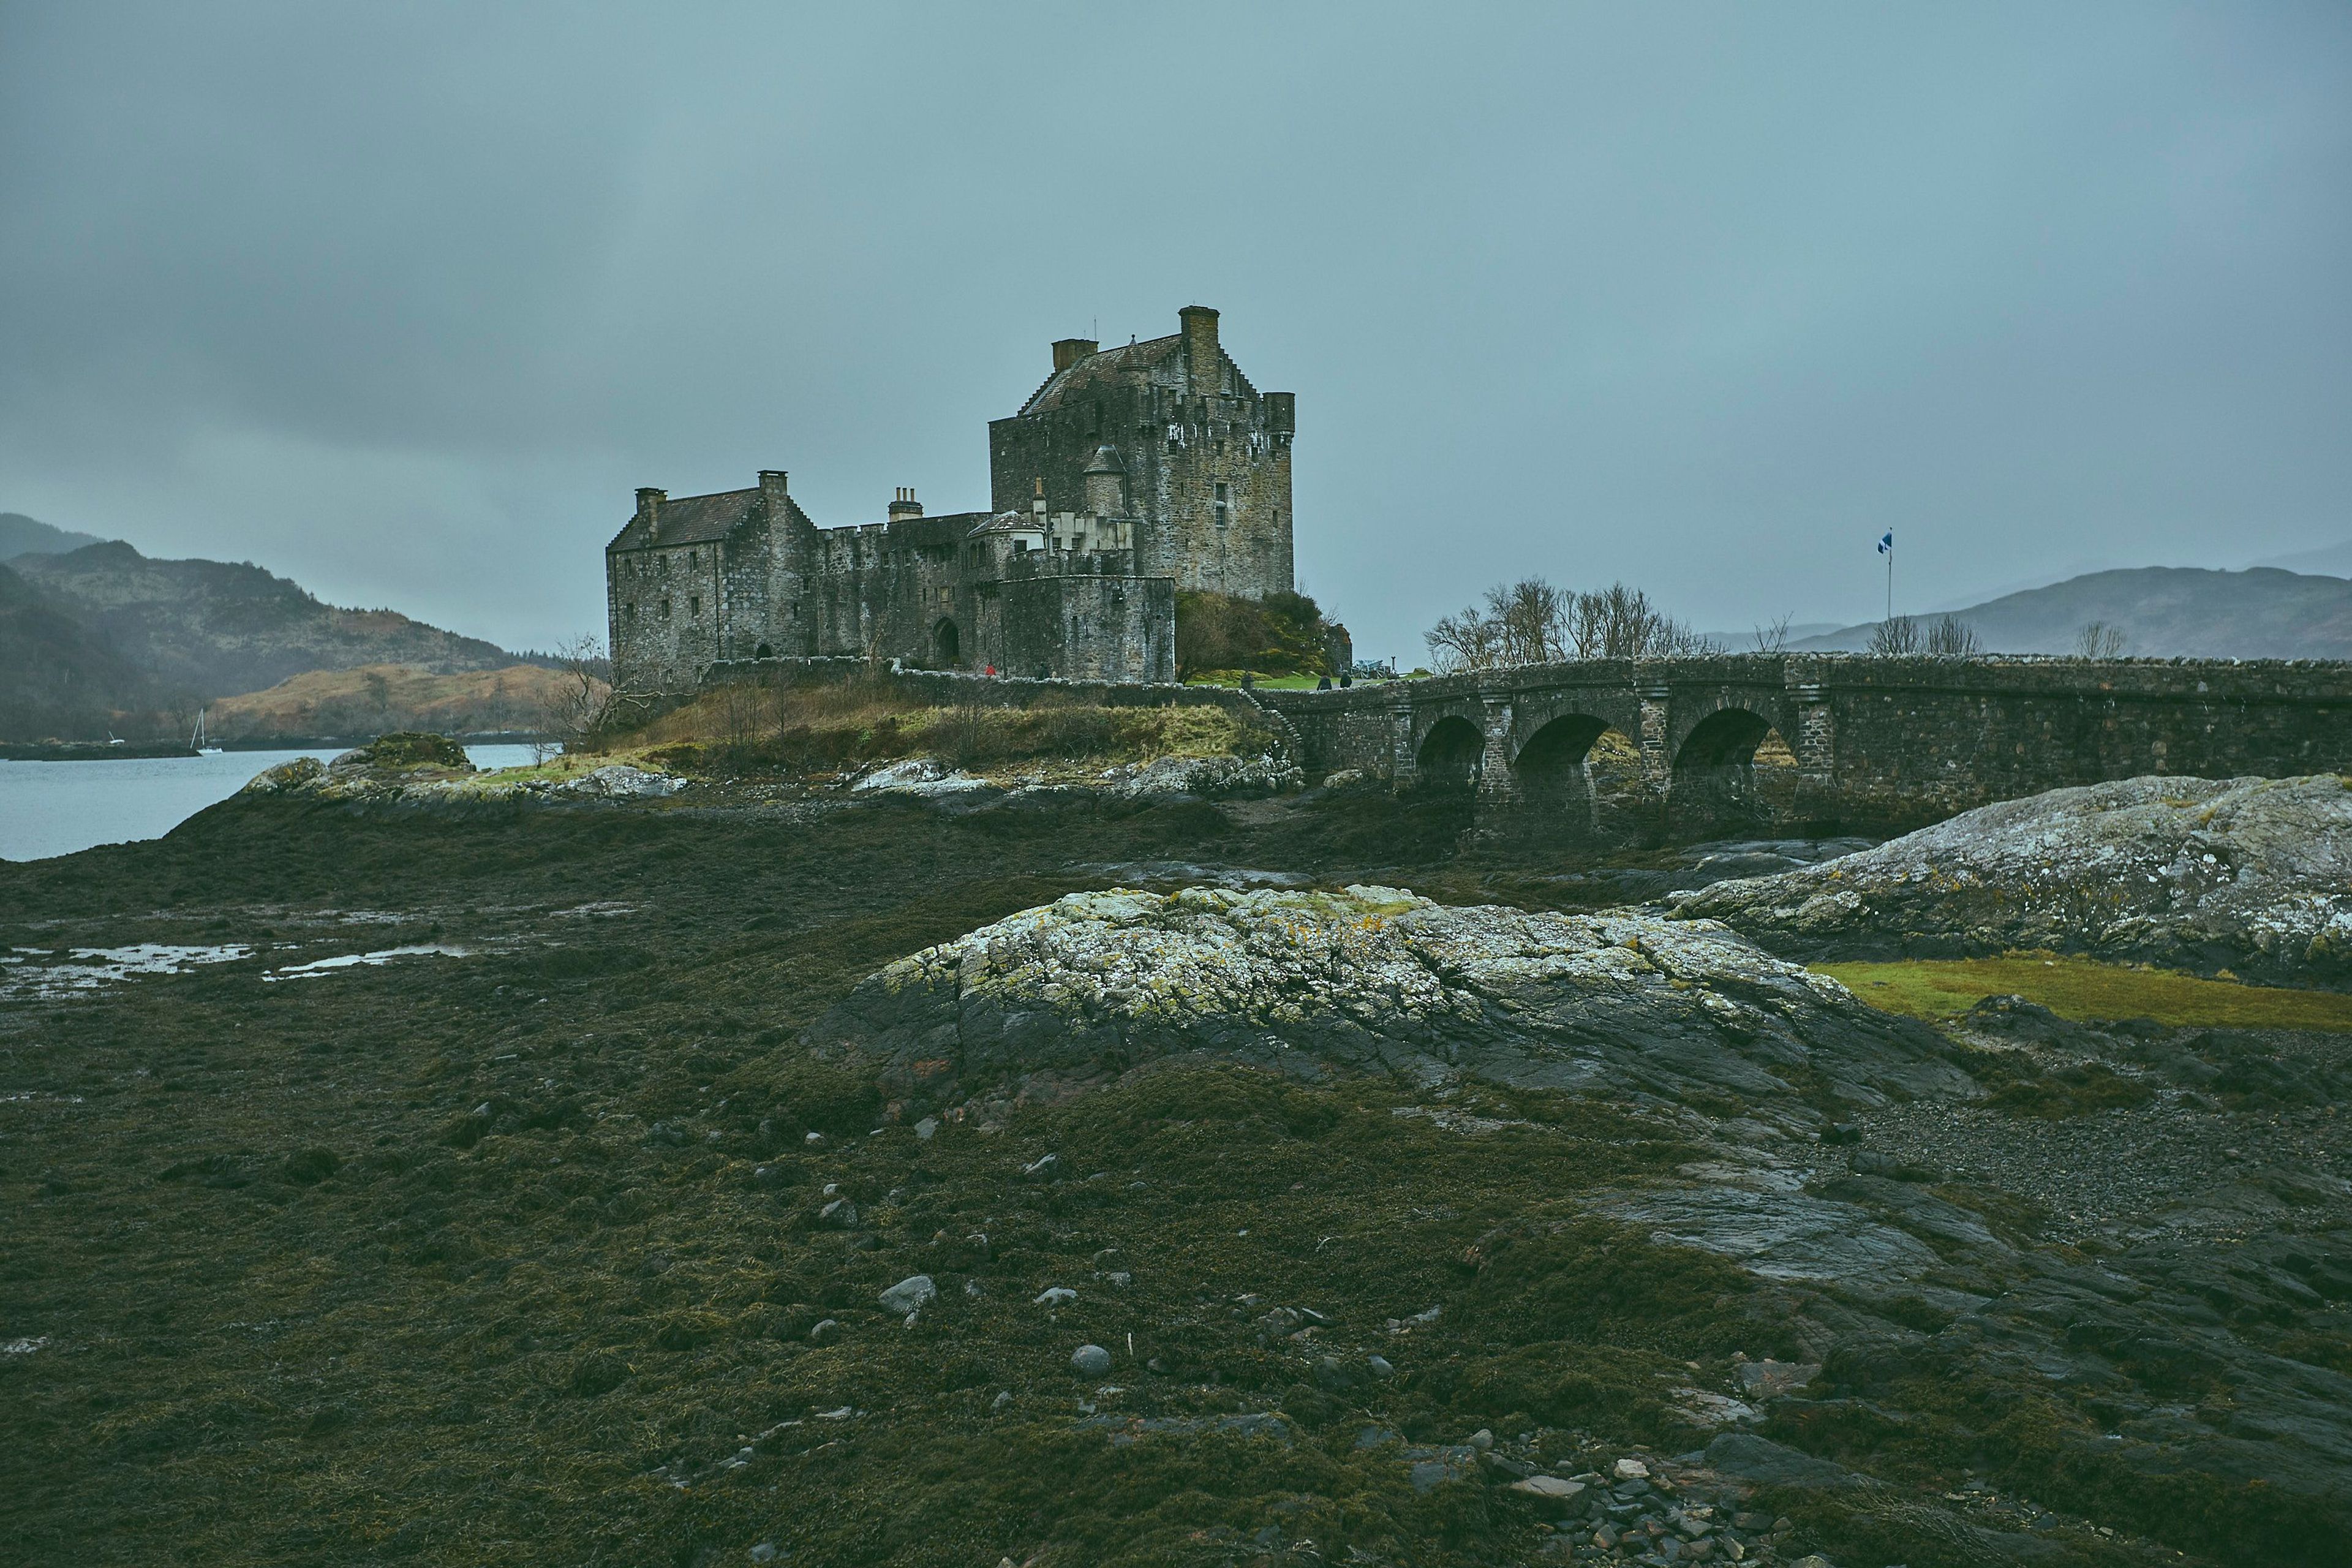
x=948 y=687
x=1084 y=627
x=1879 y=745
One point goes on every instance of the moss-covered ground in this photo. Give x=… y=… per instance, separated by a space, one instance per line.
x=2085 y=989
x=516 y=1254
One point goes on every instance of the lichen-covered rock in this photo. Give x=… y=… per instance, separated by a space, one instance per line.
x=1376 y=979
x=285 y=776
x=2252 y=875
x=619 y=781
x=920 y=777
x=1209 y=778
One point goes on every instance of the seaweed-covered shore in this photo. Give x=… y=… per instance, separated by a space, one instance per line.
x=399 y=1186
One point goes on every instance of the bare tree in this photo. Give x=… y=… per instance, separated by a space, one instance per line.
x=1532 y=622
x=579 y=705
x=2100 y=639
x=1620 y=622
x=1895 y=637
x=1774 y=638
x=1464 y=641
x=1952 y=638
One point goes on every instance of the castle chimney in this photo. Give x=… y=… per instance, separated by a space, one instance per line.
x=904 y=505
x=775 y=495
x=1070 y=351
x=1200 y=325
x=650 y=505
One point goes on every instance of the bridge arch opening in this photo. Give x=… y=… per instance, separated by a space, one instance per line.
x=947 y=645
x=1586 y=774
x=1734 y=773
x=1448 y=760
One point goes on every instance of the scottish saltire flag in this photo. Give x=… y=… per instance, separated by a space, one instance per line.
x=1886 y=545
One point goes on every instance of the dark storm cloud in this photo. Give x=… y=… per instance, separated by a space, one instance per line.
x=404 y=301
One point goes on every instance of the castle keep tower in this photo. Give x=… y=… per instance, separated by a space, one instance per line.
x=1205 y=455
x=1132 y=473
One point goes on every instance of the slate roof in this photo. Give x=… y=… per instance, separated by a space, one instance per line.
x=1125 y=357
x=696 y=519
x=1007 y=523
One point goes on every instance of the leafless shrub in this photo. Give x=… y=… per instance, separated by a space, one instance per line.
x=577 y=709
x=1952 y=638
x=2101 y=640
x=1774 y=638
x=1895 y=637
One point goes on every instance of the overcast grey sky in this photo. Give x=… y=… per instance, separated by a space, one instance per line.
x=403 y=300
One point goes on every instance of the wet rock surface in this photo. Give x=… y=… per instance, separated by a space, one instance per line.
x=1934 y=1214
x=2251 y=875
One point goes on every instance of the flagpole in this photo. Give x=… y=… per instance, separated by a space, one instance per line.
x=1890 y=579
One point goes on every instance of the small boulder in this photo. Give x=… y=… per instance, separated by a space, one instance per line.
x=910 y=1295
x=1554 y=1496
x=1090 y=1361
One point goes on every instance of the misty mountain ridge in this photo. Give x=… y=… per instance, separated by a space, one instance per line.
x=22 y=535
x=59 y=680
x=2163 y=611
x=2330 y=560
x=103 y=638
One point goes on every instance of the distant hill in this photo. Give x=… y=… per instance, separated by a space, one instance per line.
x=2165 y=612
x=215 y=629
x=377 y=697
x=59 y=682
x=22 y=535
x=2330 y=560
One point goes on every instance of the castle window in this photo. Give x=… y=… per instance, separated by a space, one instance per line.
x=1224 y=507
x=629 y=612
x=694 y=606
x=665 y=609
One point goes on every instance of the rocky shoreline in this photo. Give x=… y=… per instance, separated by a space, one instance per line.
x=2253 y=876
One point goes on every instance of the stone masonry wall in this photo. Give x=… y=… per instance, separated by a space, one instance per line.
x=1881 y=746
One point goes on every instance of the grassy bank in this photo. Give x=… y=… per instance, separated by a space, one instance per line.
x=828 y=729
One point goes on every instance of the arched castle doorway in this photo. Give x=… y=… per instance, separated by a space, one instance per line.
x=947 y=646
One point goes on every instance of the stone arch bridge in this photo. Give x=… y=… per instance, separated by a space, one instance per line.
x=1654 y=751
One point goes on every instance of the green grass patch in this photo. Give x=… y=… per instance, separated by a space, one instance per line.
x=2083 y=989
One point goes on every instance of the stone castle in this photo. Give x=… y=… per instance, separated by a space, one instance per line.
x=1133 y=472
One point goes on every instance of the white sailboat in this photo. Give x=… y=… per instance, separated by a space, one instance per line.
x=200 y=742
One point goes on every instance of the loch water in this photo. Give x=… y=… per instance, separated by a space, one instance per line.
x=57 y=809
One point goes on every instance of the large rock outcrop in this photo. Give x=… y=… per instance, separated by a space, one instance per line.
x=2251 y=875
x=1382 y=980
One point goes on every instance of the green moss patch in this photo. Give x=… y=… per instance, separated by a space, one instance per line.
x=2085 y=990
